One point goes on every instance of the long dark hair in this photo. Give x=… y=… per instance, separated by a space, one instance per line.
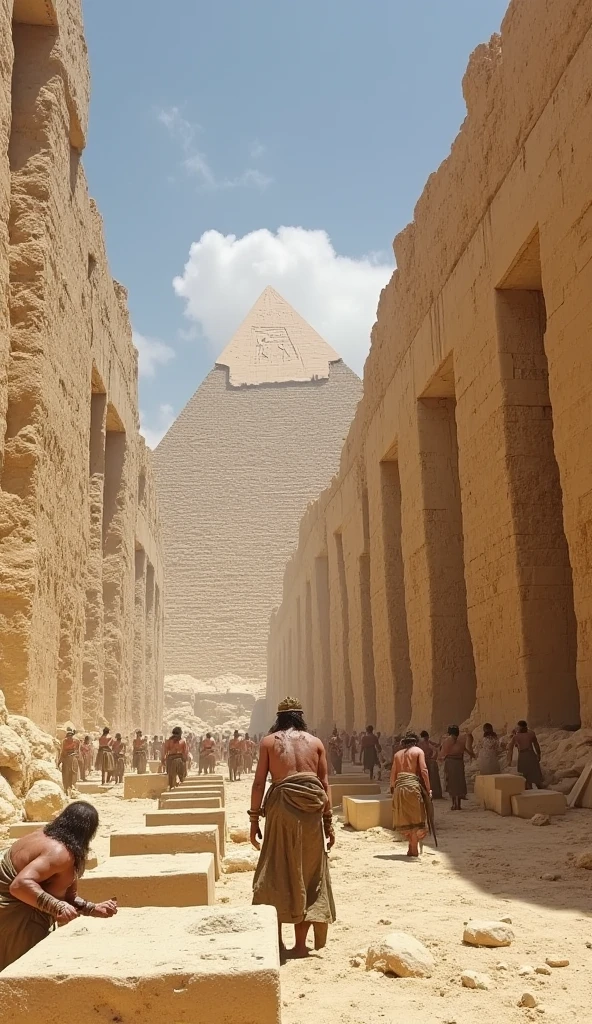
x=289 y=720
x=75 y=828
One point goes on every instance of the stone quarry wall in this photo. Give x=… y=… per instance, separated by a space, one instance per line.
x=81 y=597
x=445 y=573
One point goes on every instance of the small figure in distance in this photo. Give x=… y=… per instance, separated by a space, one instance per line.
x=529 y=755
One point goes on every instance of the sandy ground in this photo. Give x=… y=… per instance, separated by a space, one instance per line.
x=486 y=867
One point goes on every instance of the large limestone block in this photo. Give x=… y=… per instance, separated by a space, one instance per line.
x=138 y=787
x=337 y=792
x=162 y=880
x=24 y=828
x=220 y=966
x=495 y=792
x=44 y=801
x=538 y=801
x=189 y=801
x=200 y=791
x=349 y=777
x=198 y=816
x=171 y=839
x=201 y=779
x=368 y=812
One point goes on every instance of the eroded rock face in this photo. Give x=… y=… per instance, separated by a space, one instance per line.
x=488 y=933
x=402 y=955
x=44 y=801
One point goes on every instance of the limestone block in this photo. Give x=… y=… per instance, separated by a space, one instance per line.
x=348 y=777
x=44 y=801
x=200 y=791
x=153 y=766
x=24 y=828
x=363 y=812
x=495 y=792
x=85 y=788
x=202 y=779
x=162 y=880
x=488 y=933
x=338 y=791
x=223 y=965
x=172 y=839
x=538 y=801
x=198 y=816
x=138 y=787
x=400 y=954
x=189 y=801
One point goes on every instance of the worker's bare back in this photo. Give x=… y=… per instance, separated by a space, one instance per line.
x=287 y=753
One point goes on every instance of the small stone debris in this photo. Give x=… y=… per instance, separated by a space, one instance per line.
x=529 y=1000
x=540 y=819
x=526 y=971
x=543 y=969
x=506 y=920
x=557 y=961
x=584 y=860
x=488 y=933
x=501 y=966
x=550 y=877
x=474 y=979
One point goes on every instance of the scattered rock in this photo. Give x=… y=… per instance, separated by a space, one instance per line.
x=584 y=860
x=506 y=920
x=473 y=979
x=557 y=961
x=355 y=961
x=400 y=954
x=550 y=877
x=44 y=801
x=564 y=786
x=528 y=999
x=488 y=933
x=525 y=971
x=385 y=920
x=240 y=860
x=239 y=834
x=540 y=819
x=542 y=969
x=501 y=966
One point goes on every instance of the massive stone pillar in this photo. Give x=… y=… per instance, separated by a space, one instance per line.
x=441 y=655
x=323 y=713
x=118 y=579
x=143 y=715
x=343 y=700
x=150 y=635
x=6 y=63
x=93 y=667
x=392 y=670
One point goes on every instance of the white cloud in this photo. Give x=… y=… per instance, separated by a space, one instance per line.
x=162 y=420
x=151 y=353
x=338 y=295
x=196 y=163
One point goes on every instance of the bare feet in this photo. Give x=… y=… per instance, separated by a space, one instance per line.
x=321 y=931
x=298 y=953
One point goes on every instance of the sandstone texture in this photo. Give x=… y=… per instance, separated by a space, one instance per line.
x=44 y=801
x=219 y=704
x=222 y=966
x=400 y=954
x=475 y=979
x=163 y=880
x=443 y=576
x=258 y=440
x=81 y=614
x=171 y=839
x=488 y=933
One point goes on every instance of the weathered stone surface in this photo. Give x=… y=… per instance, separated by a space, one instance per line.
x=240 y=860
x=540 y=820
x=164 y=880
x=233 y=957
x=364 y=812
x=169 y=839
x=475 y=979
x=44 y=801
x=529 y=1000
x=445 y=587
x=525 y=805
x=77 y=500
x=488 y=933
x=400 y=954
x=139 y=787
x=584 y=860
x=198 y=816
x=339 y=790
x=180 y=803
x=24 y=828
x=557 y=961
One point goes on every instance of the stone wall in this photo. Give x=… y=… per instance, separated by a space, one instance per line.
x=78 y=521
x=448 y=565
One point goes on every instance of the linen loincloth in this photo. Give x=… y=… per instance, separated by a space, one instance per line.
x=454 y=774
x=105 y=761
x=529 y=766
x=21 y=926
x=293 y=870
x=409 y=810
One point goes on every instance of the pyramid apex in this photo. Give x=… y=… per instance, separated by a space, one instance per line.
x=275 y=345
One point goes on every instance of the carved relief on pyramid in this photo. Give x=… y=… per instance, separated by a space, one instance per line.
x=274 y=345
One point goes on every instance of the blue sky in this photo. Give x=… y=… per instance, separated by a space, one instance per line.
x=214 y=125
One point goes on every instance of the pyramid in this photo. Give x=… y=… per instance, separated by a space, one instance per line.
x=259 y=439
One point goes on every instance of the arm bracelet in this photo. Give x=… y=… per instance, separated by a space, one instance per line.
x=84 y=907
x=48 y=904
x=254 y=815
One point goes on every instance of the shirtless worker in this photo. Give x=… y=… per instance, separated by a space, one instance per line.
x=119 y=749
x=529 y=755
x=140 y=753
x=235 y=757
x=175 y=757
x=293 y=870
x=431 y=755
x=452 y=752
x=38 y=879
x=69 y=761
x=207 y=755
